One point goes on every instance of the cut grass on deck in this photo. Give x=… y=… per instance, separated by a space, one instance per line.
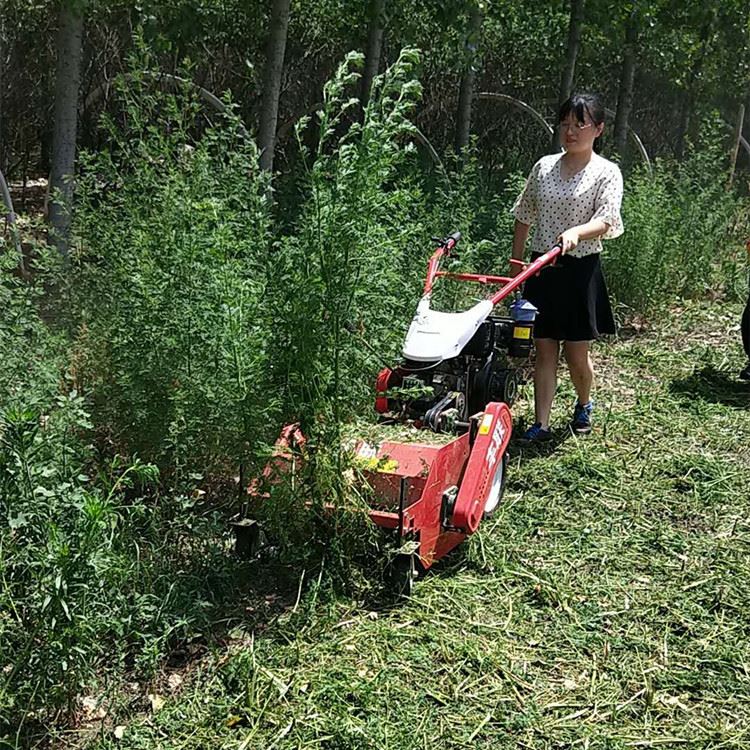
x=603 y=606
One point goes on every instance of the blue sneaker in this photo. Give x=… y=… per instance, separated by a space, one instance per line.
x=535 y=434
x=581 y=422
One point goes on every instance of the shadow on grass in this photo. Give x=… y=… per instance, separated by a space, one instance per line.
x=517 y=448
x=714 y=386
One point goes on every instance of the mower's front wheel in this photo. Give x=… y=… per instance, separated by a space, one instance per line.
x=497 y=488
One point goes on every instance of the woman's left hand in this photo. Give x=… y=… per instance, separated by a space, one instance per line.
x=568 y=240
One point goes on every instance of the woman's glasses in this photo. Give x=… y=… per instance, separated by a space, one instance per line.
x=574 y=126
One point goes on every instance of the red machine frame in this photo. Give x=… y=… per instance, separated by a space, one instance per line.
x=432 y=495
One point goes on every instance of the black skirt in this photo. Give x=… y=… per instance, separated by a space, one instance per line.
x=572 y=300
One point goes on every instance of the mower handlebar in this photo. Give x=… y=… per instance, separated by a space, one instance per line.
x=449 y=242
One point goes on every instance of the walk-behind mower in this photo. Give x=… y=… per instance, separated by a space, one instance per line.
x=459 y=375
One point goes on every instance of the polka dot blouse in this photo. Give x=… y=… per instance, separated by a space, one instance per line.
x=553 y=204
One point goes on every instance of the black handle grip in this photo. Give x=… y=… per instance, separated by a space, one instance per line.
x=443 y=241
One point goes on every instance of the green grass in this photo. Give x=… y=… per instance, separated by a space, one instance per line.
x=603 y=606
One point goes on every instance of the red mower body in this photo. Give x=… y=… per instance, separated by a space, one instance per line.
x=436 y=494
x=430 y=496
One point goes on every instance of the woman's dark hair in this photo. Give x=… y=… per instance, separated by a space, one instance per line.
x=581 y=105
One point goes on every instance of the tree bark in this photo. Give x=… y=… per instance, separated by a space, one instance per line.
x=571 y=54
x=272 y=74
x=374 y=48
x=736 y=144
x=3 y=158
x=67 y=83
x=625 y=94
x=688 y=100
x=466 y=91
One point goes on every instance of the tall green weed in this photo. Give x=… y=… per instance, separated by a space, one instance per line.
x=337 y=278
x=151 y=343
x=683 y=234
x=172 y=230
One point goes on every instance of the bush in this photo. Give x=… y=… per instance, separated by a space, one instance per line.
x=99 y=573
x=104 y=569
x=351 y=254
x=172 y=230
x=683 y=234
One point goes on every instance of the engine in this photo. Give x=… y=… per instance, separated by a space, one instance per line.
x=443 y=395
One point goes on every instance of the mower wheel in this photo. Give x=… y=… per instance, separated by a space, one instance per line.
x=497 y=487
x=505 y=386
x=403 y=574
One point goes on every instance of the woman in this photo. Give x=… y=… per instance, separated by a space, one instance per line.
x=573 y=200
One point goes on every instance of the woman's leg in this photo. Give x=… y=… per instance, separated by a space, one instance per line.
x=577 y=355
x=545 y=378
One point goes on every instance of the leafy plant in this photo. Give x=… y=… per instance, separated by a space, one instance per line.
x=172 y=229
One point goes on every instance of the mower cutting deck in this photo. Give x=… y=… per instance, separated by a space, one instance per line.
x=437 y=494
x=459 y=375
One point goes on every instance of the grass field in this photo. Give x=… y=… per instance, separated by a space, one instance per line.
x=603 y=606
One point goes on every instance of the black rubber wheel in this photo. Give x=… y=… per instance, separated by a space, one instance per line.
x=498 y=487
x=505 y=384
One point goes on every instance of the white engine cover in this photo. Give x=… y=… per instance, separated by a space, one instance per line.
x=437 y=335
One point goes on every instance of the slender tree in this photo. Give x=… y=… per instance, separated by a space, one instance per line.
x=3 y=44
x=466 y=91
x=272 y=75
x=691 y=88
x=736 y=144
x=627 y=77
x=374 y=47
x=575 y=26
x=67 y=84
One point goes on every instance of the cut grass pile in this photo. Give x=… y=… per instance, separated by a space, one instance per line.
x=375 y=434
x=603 y=606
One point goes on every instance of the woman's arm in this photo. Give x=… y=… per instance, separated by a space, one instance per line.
x=520 y=235
x=588 y=231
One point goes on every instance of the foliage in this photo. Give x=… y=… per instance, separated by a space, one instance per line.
x=98 y=572
x=603 y=604
x=344 y=257
x=683 y=234
x=172 y=226
x=521 y=50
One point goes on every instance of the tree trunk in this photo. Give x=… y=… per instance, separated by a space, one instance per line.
x=3 y=148
x=374 y=47
x=571 y=54
x=67 y=83
x=736 y=144
x=466 y=92
x=688 y=100
x=625 y=94
x=272 y=81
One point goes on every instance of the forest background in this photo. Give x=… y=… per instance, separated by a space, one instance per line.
x=234 y=232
